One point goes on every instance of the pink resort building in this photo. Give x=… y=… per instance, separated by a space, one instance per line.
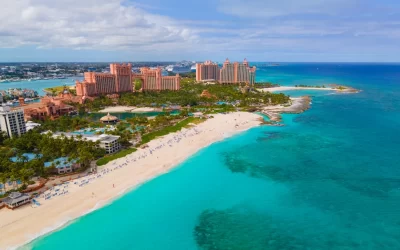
x=117 y=81
x=121 y=78
x=207 y=71
x=230 y=73
x=152 y=79
x=49 y=107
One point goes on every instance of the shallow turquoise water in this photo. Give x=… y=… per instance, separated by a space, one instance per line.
x=40 y=85
x=329 y=179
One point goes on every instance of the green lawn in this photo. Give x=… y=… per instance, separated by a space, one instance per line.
x=120 y=154
x=150 y=136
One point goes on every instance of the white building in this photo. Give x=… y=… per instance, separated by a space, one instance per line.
x=31 y=125
x=109 y=142
x=12 y=121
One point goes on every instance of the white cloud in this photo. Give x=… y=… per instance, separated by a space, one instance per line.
x=245 y=29
x=86 y=24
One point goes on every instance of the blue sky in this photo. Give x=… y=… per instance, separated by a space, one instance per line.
x=159 y=30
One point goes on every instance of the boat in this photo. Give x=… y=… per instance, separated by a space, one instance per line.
x=180 y=68
x=169 y=68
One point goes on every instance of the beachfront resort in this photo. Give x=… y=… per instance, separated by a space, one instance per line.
x=116 y=130
x=71 y=134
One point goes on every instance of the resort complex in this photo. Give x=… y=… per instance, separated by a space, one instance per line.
x=117 y=130
x=121 y=78
x=50 y=106
x=199 y=125
x=230 y=73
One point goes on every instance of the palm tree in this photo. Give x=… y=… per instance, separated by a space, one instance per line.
x=3 y=180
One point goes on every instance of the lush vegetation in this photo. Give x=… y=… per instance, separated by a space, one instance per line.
x=260 y=85
x=120 y=154
x=191 y=98
x=67 y=123
x=189 y=95
x=57 y=89
x=46 y=148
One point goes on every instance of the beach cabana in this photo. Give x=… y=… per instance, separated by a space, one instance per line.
x=109 y=119
x=16 y=199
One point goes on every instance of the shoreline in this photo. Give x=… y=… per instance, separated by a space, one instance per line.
x=333 y=87
x=298 y=105
x=24 y=225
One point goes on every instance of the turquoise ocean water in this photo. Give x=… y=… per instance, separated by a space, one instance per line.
x=40 y=85
x=329 y=179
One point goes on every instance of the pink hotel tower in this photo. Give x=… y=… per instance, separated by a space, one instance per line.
x=121 y=78
x=230 y=73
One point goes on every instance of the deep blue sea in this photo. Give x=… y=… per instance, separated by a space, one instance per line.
x=329 y=179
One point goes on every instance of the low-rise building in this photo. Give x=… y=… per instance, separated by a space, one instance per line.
x=26 y=157
x=63 y=165
x=31 y=125
x=109 y=142
x=50 y=107
x=16 y=199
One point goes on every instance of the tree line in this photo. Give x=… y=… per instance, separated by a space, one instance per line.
x=45 y=148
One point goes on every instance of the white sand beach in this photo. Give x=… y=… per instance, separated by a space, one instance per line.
x=127 y=109
x=333 y=87
x=81 y=196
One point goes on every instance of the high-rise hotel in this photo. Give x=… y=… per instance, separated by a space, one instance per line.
x=117 y=81
x=121 y=78
x=152 y=79
x=12 y=121
x=230 y=73
x=207 y=71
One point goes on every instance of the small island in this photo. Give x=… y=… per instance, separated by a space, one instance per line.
x=330 y=87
